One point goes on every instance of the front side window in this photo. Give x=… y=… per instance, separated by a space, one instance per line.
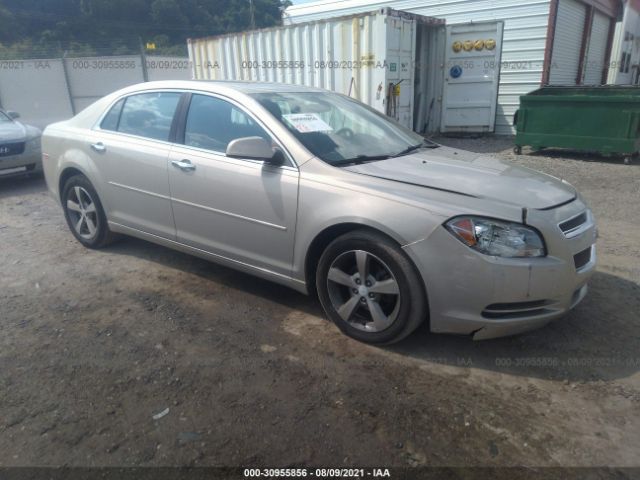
x=212 y=123
x=146 y=115
x=338 y=129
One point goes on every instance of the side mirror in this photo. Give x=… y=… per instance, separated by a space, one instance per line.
x=13 y=115
x=254 y=148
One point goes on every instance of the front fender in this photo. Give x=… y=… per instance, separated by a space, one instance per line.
x=323 y=206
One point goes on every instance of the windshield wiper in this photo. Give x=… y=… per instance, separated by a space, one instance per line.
x=360 y=159
x=412 y=148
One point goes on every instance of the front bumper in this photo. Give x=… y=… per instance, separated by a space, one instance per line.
x=474 y=294
x=28 y=161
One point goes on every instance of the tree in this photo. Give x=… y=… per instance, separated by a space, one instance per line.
x=109 y=26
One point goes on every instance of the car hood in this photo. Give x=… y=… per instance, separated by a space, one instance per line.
x=473 y=175
x=12 y=131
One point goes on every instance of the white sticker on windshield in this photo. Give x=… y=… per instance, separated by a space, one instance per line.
x=307 y=122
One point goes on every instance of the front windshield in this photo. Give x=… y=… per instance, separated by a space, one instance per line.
x=4 y=118
x=338 y=129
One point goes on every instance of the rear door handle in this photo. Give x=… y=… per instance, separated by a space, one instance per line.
x=99 y=147
x=184 y=165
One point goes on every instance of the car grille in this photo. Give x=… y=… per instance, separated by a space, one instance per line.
x=516 y=310
x=7 y=149
x=573 y=224
x=580 y=259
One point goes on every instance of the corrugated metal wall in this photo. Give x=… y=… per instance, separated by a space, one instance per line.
x=525 y=35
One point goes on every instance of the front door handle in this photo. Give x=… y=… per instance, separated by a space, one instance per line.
x=99 y=147
x=184 y=165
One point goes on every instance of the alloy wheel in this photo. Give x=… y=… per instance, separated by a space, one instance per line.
x=363 y=291
x=82 y=212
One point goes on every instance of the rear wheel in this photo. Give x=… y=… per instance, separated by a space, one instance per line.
x=84 y=213
x=370 y=289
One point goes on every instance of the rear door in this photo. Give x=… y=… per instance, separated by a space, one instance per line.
x=131 y=149
x=471 y=77
x=243 y=210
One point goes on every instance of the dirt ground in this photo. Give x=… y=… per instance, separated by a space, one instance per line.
x=93 y=344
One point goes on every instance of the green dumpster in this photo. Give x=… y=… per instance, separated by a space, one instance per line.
x=603 y=119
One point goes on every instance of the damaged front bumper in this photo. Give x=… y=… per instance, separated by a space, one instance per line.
x=470 y=293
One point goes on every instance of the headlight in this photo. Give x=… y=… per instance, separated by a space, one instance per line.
x=495 y=237
x=33 y=143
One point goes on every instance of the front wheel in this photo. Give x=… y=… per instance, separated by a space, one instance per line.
x=84 y=213
x=370 y=288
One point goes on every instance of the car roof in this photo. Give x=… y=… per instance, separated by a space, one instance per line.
x=245 y=87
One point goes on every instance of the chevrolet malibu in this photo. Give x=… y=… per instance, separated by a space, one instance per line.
x=316 y=191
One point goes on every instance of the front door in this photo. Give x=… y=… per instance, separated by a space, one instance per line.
x=244 y=210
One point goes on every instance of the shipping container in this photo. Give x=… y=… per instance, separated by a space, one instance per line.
x=560 y=42
x=388 y=59
x=428 y=76
x=523 y=50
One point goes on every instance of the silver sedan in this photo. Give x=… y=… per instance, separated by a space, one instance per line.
x=319 y=192
x=19 y=146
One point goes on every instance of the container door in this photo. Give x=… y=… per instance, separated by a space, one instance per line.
x=471 y=77
x=401 y=45
x=567 y=43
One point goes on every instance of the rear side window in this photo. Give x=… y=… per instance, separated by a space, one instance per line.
x=110 y=120
x=148 y=114
x=212 y=123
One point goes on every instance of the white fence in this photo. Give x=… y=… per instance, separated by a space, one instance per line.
x=49 y=90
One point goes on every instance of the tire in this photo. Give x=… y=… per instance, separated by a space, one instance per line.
x=351 y=303
x=517 y=150
x=85 y=216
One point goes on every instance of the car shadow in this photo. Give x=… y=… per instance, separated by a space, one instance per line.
x=213 y=272
x=566 y=154
x=598 y=340
x=18 y=185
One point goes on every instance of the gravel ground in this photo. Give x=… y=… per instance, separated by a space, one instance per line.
x=238 y=371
